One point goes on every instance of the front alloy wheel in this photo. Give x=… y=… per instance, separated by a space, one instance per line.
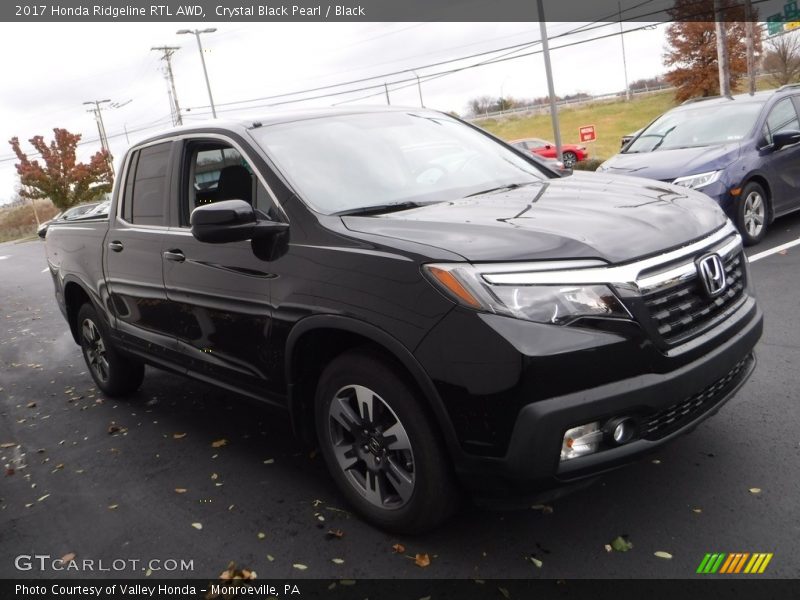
x=371 y=447
x=753 y=212
x=381 y=445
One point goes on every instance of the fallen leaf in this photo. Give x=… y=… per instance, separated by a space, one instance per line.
x=113 y=506
x=545 y=508
x=181 y=490
x=31 y=405
x=661 y=554
x=214 y=476
x=783 y=252
x=261 y=535
x=9 y=471
x=9 y=445
x=70 y=556
x=504 y=592
x=755 y=490
x=269 y=461
x=270 y=558
x=422 y=560
x=536 y=561
x=197 y=526
x=178 y=436
x=113 y=428
x=399 y=548
x=43 y=497
x=58 y=467
x=337 y=561
x=335 y=533
x=620 y=544
x=299 y=566
x=697 y=510
x=656 y=461
x=219 y=443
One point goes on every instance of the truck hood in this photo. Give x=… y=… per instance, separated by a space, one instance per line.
x=668 y=165
x=585 y=215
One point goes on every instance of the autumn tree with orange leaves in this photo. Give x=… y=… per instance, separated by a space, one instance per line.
x=59 y=176
x=692 y=48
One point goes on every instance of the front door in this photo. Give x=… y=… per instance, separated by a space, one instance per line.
x=783 y=164
x=219 y=292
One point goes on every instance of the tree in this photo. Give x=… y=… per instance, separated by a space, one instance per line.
x=482 y=105
x=692 y=50
x=782 y=58
x=61 y=178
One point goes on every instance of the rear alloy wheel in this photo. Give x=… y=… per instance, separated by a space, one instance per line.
x=752 y=214
x=381 y=447
x=114 y=374
x=569 y=159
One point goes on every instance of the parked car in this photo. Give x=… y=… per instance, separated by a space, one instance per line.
x=742 y=151
x=67 y=215
x=440 y=314
x=570 y=153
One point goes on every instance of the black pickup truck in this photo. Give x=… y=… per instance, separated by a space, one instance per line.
x=439 y=312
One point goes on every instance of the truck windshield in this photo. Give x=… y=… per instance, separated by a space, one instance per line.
x=698 y=126
x=343 y=163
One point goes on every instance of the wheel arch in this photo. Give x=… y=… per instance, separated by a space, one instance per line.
x=316 y=340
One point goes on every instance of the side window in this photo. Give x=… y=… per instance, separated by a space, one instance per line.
x=218 y=172
x=146 y=186
x=782 y=117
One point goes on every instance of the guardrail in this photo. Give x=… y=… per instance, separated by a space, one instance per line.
x=543 y=107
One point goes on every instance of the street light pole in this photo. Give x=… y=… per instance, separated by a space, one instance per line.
x=197 y=33
x=550 y=89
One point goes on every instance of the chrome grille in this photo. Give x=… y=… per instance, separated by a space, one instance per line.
x=684 y=309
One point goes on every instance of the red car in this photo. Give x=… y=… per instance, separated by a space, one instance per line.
x=570 y=152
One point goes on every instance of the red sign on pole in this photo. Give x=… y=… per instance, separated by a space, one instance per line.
x=587 y=133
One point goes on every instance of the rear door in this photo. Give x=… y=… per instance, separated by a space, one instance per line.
x=219 y=293
x=132 y=253
x=783 y=165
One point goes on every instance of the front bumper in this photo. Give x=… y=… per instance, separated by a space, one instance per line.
x=675 y=400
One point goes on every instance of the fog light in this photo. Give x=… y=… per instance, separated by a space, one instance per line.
x=620 y=430
x=580 y=441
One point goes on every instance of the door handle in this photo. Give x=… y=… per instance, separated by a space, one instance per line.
x=116 y=246
x=174 y=255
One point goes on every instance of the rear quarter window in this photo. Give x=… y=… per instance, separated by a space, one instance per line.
x=146 y=186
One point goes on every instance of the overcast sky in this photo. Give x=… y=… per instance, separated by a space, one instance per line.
x=49 y=70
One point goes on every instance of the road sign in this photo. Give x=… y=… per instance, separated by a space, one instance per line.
x=587 y=133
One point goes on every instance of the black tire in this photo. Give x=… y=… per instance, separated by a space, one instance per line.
x=432 y=495
x=114 y=374
x=570 y=159
x=752 y=213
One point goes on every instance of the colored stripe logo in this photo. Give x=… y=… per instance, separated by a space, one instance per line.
x=734 y=563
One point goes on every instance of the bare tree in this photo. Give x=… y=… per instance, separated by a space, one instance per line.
x=782 y=58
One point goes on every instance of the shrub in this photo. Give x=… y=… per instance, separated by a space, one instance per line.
x=590 y=164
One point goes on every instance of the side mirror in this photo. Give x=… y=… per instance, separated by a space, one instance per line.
x=231 y=221
x=785 y=138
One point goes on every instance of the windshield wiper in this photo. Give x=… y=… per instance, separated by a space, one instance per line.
x=378 y=209
x=501 y=188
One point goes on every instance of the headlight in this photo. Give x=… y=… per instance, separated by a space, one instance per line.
x=468 y=285
x=698 y=181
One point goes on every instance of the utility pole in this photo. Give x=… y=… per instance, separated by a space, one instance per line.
x=386 y=89
x=197 y=33
x=101 y=129
x=167 y=52
x=750 y=44
x=419 y=89
x=549 y=72
x=624 y=61
x=722 y=50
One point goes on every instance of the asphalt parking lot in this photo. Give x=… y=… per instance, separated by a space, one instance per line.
x=97 y=478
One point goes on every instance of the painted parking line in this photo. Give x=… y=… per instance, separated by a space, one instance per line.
x=774 y=250
x=4 y=257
